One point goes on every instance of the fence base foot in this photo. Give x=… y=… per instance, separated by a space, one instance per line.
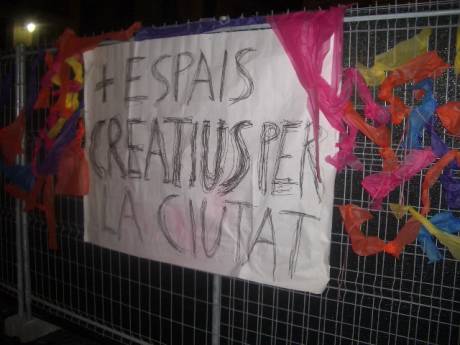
x=27 y=330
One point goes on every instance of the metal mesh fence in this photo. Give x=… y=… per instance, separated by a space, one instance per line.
x=8 y=272
x=369 y=300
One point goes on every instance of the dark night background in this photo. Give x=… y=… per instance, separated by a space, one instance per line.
x=88 y=17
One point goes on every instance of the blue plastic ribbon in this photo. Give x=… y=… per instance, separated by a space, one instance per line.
x=420 y=115
x=20 y=175
x=444 y=221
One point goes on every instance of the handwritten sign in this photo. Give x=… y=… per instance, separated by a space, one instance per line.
x=202 y=155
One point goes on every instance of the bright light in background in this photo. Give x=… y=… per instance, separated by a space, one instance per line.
x=31 y=27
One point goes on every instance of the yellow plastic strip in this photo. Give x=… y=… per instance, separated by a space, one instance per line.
x=395 y=57
x=457 y=54
x=450 y=241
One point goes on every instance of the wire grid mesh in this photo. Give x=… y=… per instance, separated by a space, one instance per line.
x=374 y=300
x=369 y=300
x=8 y=271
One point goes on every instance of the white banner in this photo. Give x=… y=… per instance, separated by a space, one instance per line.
x=202 y=155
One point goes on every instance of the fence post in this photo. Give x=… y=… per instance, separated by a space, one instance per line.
x=19 y=103
x=23 y=325
x=216 y=296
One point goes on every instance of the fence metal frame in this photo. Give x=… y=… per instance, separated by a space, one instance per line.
x=25 y=295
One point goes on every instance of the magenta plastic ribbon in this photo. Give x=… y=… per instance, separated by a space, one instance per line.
x=372 y=111
x=379 y=185
x=306 y=38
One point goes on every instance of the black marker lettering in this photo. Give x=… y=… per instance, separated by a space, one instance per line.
x=270 y=131
x=222 y=76
x=209 y=180
x=243 y=162
x=161 y=215
x=210 y=252
x=177 y=155
x=104 y=211
x=128 y=198
x=243 y=72
x=102 y=85
x=193 y=154
x=192 y=226
x=307 y=149
x=133 y=161
x=196 y=78
x=283 y=185
x=98 y=169
x=178 y=70
x=241 y=206
x=160 y=77
x=130 y=79
x=296 y=238
x=113 y=141
x=156 y=138
x=263 y=240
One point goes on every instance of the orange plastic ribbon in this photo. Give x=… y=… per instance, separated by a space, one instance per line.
x=379 y=135
x=449 y=114
x=428 y=65
x=432 y=176
x=11 y=139
x=73 y=170
x=354 y=216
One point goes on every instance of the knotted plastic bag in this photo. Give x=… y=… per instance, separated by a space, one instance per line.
x=380 y=184
x=420 y=115
x=353 y=217
x=452 y=242
x=73 y=170
x=432 y=176
x=444 y=221
x=395 y=57
x=372 y=111
x=11 y=139
x=428 y=65
x=449 y=114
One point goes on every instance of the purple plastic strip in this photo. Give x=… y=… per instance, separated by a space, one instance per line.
x=202 y=26
x=50 y=164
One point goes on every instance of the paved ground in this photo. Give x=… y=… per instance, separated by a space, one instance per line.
x=61 y=337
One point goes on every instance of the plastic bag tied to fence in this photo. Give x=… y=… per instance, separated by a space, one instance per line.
x=65 y=71
x=306 y=38
x=450 y=184
x=73 y=170
x=379 y=135
x=354 y=216
x=420 y=115
x=11 y=139
x=444 y=221
x=395 y=57
x=452 y=242
x=372 y=111
x=428 y=65
x=432 y=176
x=379 y=185
x=449 y=114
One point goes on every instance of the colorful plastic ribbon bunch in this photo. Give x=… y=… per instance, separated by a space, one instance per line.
x=420 y=68
x=58 y=148
x=392 y=59
x=354 y=216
